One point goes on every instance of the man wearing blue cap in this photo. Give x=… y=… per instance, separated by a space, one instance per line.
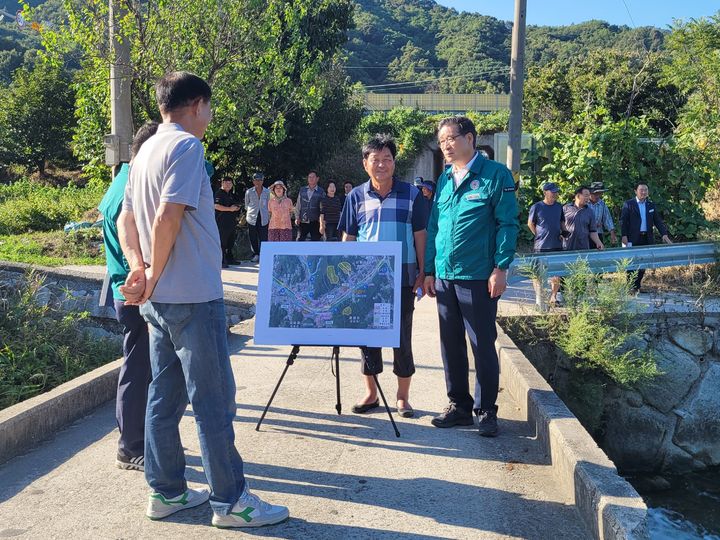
x=427 y=187
x=545 y=220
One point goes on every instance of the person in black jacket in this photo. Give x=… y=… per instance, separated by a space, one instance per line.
x=638 y=216
x=227 y=208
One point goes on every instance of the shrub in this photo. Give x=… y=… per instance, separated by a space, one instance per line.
x=27 y=206
x=40 y=346
x=599 y=328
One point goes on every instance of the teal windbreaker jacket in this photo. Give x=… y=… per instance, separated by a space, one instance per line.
x=473 y=228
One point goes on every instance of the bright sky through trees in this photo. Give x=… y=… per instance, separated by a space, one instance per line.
x=658 y=13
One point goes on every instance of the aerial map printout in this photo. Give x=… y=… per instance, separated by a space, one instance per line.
x=328 y=293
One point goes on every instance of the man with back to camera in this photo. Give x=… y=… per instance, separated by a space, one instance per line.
x=545 y=221
x=135 y=375
x=471 y=242
x=226 y=211
x=580 y=223
x=386 y=209
x=307 y=209
x=170 y=240
x=637 y=218
x=257 y=214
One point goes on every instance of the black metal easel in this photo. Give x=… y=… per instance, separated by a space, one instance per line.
x=338 y=406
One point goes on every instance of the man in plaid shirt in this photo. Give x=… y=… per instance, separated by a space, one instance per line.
x=384 y=208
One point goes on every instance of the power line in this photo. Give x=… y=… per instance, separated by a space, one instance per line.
x=629 y=14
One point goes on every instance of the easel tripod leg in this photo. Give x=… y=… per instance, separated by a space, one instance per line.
x=290 y=362
x=336 y=354
x=387 y=407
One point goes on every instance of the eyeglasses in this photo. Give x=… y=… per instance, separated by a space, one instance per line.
x=449 y=139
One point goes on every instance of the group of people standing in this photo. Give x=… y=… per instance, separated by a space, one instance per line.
x=582 y=223
x=269 y=213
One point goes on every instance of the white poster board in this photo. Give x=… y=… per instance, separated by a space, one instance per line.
x=329 y=293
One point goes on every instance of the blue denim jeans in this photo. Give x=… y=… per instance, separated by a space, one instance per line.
x=190 y=360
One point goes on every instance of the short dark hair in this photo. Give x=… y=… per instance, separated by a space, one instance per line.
x=180 y=88
x=377 y=142
x=640 y=183
x=579 y=190
x=463 y=124
x=346 y=182
x=333 y=182
x=147 y=130
x=226 y=179
x=313 y=171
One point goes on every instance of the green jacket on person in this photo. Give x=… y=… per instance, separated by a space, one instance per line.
x=473 y=228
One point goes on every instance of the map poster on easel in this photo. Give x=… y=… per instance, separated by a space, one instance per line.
x=329 y=293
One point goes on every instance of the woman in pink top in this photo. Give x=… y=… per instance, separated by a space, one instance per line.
x=281 y=208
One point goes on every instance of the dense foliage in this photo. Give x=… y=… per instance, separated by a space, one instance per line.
x=42 y=347
x=271 y=65
x=37 y=118
x=29 y=206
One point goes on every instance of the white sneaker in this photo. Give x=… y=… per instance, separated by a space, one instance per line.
x=255 y=258
x=250 y=511
x=159 y=507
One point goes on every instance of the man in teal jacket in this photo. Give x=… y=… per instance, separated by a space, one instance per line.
x=471 y=241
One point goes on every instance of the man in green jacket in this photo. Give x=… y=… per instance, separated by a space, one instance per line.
x=471 y=241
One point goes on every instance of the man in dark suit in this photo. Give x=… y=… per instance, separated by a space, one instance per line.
x=638 y=217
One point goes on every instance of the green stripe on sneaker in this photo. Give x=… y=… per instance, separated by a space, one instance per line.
x=181 y=501
x=245 y=514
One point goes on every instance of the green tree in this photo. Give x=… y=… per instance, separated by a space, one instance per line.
x=36 y=118
x=267 y=62
x=695 y=69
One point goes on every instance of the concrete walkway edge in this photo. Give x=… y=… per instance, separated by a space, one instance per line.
x=24 y=425
x=609 y=506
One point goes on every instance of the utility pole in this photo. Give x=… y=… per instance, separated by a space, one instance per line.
x=117 y=144
x=517 y=76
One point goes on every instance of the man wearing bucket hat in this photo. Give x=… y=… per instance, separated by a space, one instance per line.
x=603 y=219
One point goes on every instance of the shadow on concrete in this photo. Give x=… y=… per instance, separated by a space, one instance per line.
x=21 y=471
x=516 y=443
x=474 y=508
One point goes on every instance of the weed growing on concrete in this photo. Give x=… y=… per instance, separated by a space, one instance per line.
x=599 y=327
x=41 y=346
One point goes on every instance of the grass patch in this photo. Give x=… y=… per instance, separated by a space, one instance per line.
x=27 y=206
x=54 y=248
x=42 y=347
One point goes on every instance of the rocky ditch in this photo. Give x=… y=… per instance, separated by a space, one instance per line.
x=71 y=293
x=670 y=424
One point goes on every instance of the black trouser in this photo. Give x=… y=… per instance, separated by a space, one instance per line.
x=227 y=240
x=312 y=228
x=331 y=232
x=403 y=362
x=135 y=375
x=642 y=241
x=466 y=306
x=258 y=235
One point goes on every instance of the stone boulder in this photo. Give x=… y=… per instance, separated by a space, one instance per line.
x=680 y=370
x=698 y=432
x=634 y=436
x=694 y=340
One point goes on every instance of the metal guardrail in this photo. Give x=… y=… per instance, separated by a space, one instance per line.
x=438 y=102
x=655 y=256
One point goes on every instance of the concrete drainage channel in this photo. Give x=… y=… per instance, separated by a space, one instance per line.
x=608 y=505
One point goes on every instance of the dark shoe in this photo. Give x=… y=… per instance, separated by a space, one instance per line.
x=487 y=422
x=225 y=265
x=130 y=464
x=453 y=416
x=362 y=409
x=406 y=412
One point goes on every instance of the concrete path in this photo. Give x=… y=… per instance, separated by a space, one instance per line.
x=342 y=476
